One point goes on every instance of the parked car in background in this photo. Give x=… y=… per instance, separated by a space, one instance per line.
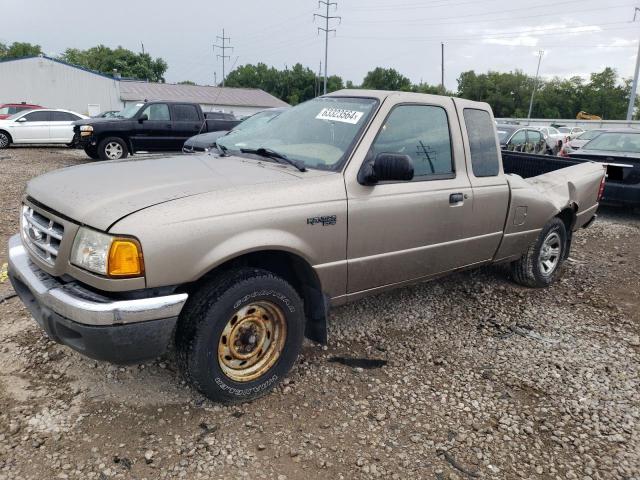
x=233 y=259
x=620 y=147
x=521 y=139
x=552 y=137
x=570 y=132
x=38 y=127
x=146 y=126
x=8 y=109
x=107 y=114
x=580 y=140
x=206 y=141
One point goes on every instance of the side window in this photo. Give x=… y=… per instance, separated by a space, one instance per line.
x=519 y=138
x=157 y=111
x=534 y=136
x=38 y=117
x=63 y=117
x=485 y=161
x=422 y=132
x=186 y=113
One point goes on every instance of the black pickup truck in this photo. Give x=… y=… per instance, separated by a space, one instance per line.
x=147 y=126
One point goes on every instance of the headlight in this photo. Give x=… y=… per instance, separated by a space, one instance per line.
x=106 y=254
x=86 y=130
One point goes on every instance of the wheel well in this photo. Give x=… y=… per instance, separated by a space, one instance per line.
x=297 y=272
x=8 y=135
x=568 y=217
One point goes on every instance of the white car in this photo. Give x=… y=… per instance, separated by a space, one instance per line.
x=552 y=135
x=571 y=132
x=38 y=126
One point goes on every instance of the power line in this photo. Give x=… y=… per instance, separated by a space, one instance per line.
x=326 y=30
x=224 y=47
x=437 y=20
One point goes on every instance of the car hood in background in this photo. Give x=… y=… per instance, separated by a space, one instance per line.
x=204 y=140
x=99 y=194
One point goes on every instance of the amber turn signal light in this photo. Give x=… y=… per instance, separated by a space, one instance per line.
x=125 y=258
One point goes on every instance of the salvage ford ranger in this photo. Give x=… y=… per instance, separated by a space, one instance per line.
x=234 y=256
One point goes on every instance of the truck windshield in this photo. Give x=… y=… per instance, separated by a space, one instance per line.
x=319 y=133
x=129 y=111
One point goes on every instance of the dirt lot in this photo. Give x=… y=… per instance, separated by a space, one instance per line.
x=484 y=379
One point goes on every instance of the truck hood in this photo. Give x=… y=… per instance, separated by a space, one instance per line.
x=93 y=121
x=99 y=194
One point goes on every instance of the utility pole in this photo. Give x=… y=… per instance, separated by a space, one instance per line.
x=326 y=30
x=318 y=79
x=442 y=69
x=142 y=47
x=535 y=83
x=224 y=47
x=634 y=85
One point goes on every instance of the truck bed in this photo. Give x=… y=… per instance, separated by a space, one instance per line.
x=529 y=165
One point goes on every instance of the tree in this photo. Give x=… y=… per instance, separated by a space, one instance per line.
x=186 y=82
x=293 y=85
x=19 y=49
x=127 y=63
x=386 y=79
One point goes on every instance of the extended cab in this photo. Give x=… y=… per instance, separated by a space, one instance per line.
x=146 y=126
x=235 y=256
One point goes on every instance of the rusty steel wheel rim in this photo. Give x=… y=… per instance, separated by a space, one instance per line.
x=252 y=341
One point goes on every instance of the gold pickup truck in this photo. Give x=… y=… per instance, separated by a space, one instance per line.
x=234 y=256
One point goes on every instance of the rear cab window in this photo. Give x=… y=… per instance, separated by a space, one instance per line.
x=485 y=161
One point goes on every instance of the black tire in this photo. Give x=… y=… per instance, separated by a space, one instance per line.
x=92 y=152
x=5 y=140
x=533 y=269
x=214 y=307
x=108 y=145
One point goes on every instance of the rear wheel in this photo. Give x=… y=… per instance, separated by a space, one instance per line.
x=540 y=266
x=240 y=334
x=5 y=140
x=112 y=148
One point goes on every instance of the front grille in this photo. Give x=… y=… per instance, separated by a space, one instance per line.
x=41 y=234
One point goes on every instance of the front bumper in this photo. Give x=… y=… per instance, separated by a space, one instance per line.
x=100 y=327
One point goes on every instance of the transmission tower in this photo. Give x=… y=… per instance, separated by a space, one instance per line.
x=224 y=47
x=327 y=19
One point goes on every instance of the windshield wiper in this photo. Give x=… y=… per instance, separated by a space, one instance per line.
x=269 y=153
x=222 y=149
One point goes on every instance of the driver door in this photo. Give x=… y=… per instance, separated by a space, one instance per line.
x=155 y=132
x=32 y=128
x=408 y=230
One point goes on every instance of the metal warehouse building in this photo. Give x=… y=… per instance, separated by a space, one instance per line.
x=55 y=84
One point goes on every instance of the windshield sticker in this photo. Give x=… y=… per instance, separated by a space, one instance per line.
x=340 y=115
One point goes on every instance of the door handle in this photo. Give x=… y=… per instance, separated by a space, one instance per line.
x=456 y=198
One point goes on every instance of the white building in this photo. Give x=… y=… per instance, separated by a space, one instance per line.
x=56 y=84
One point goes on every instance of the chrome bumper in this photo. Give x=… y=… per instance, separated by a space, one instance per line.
x=79 y=304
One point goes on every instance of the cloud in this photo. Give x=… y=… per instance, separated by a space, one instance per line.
x=531 y=36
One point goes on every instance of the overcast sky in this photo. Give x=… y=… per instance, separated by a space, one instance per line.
x=578 y=36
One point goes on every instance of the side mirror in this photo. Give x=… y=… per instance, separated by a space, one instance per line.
x=21 y=120
x=388 y=167
x=143 y=118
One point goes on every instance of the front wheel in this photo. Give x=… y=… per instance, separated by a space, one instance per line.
x=240 y=334
x=112 y=148
x=541 y=264
x=5 y=141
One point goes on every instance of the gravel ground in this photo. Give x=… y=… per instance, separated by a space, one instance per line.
x=468 y=377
